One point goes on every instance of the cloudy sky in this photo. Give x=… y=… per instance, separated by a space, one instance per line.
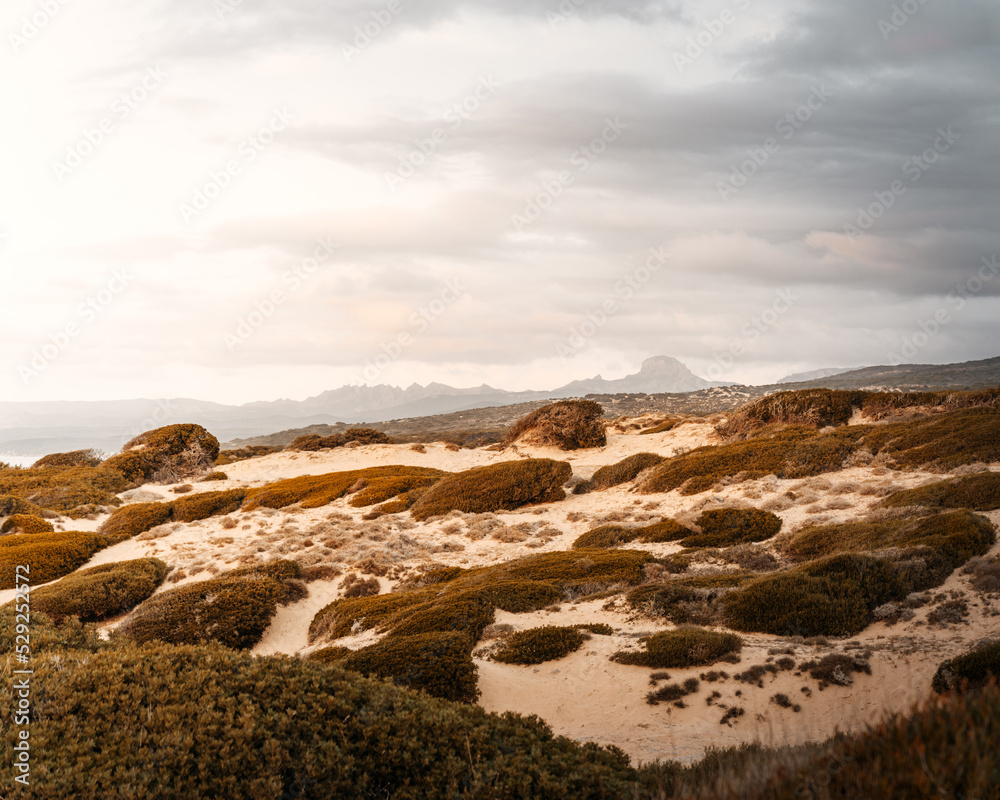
x=251 y=199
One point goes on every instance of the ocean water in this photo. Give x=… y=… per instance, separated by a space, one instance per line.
x=18 y=461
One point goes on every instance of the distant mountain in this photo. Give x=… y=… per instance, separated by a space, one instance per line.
x=913 y=377
x=816 y=374
x=658 y=375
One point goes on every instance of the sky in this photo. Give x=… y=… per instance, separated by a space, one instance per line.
x=239 y=200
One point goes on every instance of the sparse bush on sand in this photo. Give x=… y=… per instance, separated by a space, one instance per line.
x=682 y=648
x=972 y=670
x=566 y=424
x=538 y=645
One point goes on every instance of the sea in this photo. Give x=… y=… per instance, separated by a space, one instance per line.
x=18 y=461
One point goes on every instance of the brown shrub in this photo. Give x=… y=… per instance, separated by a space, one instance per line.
x=567 y=424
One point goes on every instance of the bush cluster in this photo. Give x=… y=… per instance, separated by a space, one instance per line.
x=100 y=592
x=681 y=648
x=50 y=555
x=537 y=645
x=566 y=424
x=167 y=454
x=976 y=492
x=227 y=457
x=723 y=527
x=78 y=458
x=973 y=669
x=685 y=600
x=233 y=609
x=63 y=488
x=624 y=471
x=666 y=530
x=26 y=523
x=10 y=505
x=497 y=487
x=205 y=722
x=313 y=442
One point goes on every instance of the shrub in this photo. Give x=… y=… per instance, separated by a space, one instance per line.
x=26 y=523
x=815 y=407
x=673 y=692
x=312 y=442
x=977 y=492
x=537 y=645
x=170 y=453
x=624 y=471
x=10 y=505
x=685 y=600
x=366 y=436
x=206 y=504
x=943 y=442
x=663 y=427
x=316 y=491
x=63 y=488
x=566 y=424
x=685 y=647
x=50 y=555
x=197 y=722
x=380 y=489
x=227 y=457
x=131 y=520
x=100 y=592
x=233 y=609
x=609 y=536
x=973 y=669
x=836 y=668
x=214 y=476
x=78 y=458
x=723 y=527
x=497 y=487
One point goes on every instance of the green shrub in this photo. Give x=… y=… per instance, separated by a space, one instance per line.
x=100 y=592
x=608 y=536
x=497 y=487
x=722 y=527
x=49 y=555
x=976 y=492
x=78 y=458
x=133 y=519
x=973 y=669
x=202 y=722
x=566 y=424
x=438 y=663
x=319 y=490
x=685 y=647
x=624 y=471
x=26 y=523
x=537 y=645
x=233 y=609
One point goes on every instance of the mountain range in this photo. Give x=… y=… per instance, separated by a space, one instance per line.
x=30 y=429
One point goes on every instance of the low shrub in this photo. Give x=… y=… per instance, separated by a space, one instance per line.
x=673 y=692
x=366 y=436
x=10 y=505
x=609 y=536
x=497 y=487
x=943 y=442
x=973 y=669
x=566 y=424
x=976 y=492
x=49 y=555
x=312 y=442
x=204 y=722
x=722 y=527
x=624 y=471
x=836 y=668
x=63 y=488
x=214 y=476
x=227 y=457
x=169 y=454
x=685 y=647
x=206 y=504
x=316 y=491
x=131 y=520
x=663 y=427
x=100 y=592
x=685 y=600
x=26 y=523
x=380 y=489
x=78 y=458
x=233 y=609
x=537 y=645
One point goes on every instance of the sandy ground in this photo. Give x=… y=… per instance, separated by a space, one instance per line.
x=584 y=696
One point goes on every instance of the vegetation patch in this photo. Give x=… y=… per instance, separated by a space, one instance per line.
x=685 y=647
x=673 y=692
x=624 y=471
x=313 y=442
x=538 y=645
x=26 y=523
x=49 y=555
x=608 y=536
x=227 y=457
x=233 y=609
x=382 y=488
x=722 y=527
x=206 y=722
x=567 y=424
x=167 y=455
x=63 y=488
x=78 y=458
x=133 y=519
x=976 y=492
x=836 y=668
x=10 y=505
x=100 y=592
x=970 y=671
x=497 y=487
x=685 y=601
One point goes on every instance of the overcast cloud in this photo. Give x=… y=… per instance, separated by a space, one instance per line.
x=243 y=200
